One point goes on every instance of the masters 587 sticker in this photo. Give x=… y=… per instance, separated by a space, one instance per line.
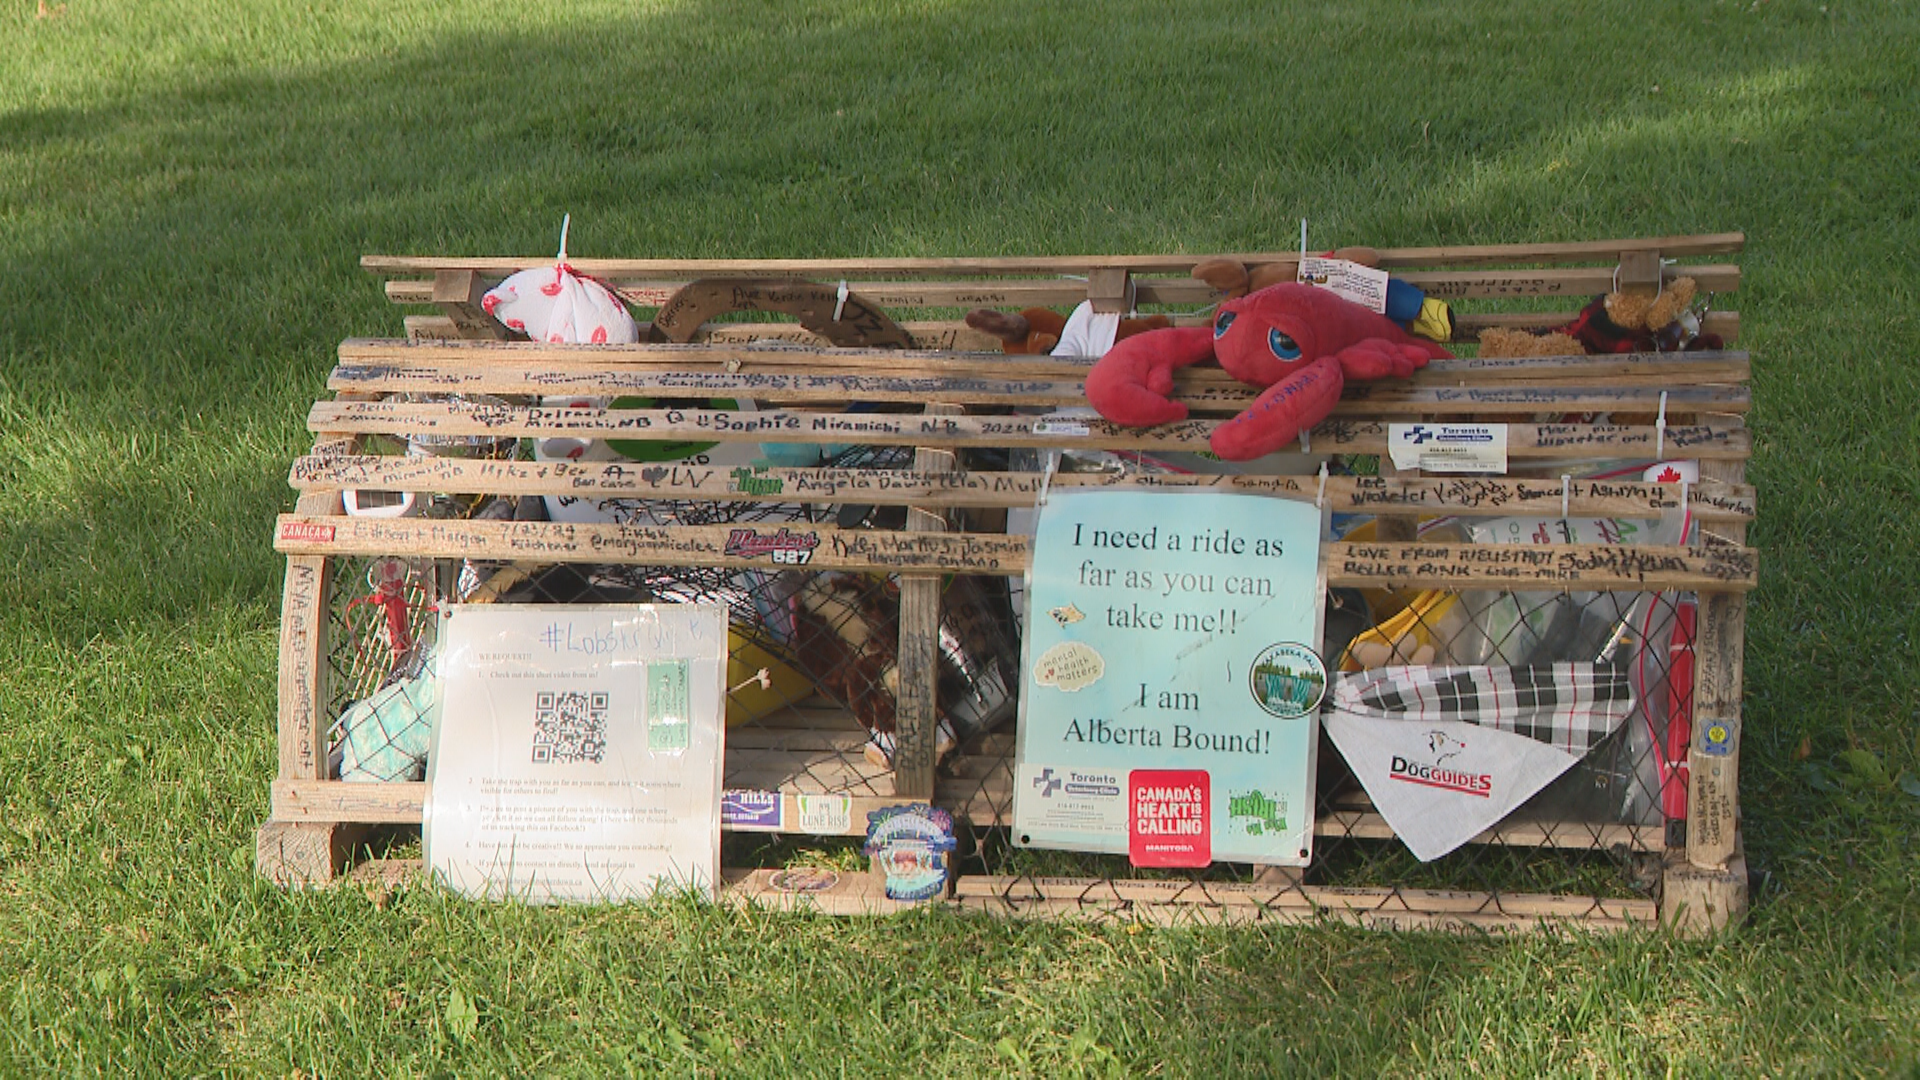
x=785 y=546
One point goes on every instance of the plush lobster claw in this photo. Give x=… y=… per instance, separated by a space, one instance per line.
x=1132 y=384
x=1277 y=415
x=1305 y=397
x=1378 y=358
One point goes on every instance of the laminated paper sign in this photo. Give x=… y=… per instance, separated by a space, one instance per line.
x=1171 y=682
x=578 y=752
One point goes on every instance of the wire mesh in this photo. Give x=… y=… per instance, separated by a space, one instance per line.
x=813 y=676
x=814 y=683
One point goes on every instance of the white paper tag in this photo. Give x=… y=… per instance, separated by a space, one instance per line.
x=1448 y=448
x=1075 y=428
x=1361 y=284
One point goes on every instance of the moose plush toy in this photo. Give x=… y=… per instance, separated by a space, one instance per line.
x=1035 y=331
x=1298 y=342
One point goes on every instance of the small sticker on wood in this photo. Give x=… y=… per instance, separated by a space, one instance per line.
x=305 y=532
x=1072 y=428
x=803 y=879
x=826 y=815
x=1717 y=738
x=744 y=809
x=1448 y=448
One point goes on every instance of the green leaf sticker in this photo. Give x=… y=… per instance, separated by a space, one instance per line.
x=463 y=1018
x=1817 y=779
x=1866 y=765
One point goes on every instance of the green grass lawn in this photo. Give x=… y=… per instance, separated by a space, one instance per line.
x=186 y=188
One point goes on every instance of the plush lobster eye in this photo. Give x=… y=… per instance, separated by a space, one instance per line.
x=1220 y=324
x=1282 y=345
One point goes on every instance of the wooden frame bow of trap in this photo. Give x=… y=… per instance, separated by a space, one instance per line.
x=954 y=528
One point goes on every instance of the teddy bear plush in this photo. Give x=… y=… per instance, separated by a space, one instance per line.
x=1298 y=342
x=1636 y=320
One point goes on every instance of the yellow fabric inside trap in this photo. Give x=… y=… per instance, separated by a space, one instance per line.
x=751 y=701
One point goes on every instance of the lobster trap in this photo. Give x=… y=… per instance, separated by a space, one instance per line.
x=857 y=492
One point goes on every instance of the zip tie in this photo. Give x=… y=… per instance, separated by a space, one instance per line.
x=1660 y=429
x=840 y=304
x=1686 y=510
x=1566 y=494
x=1306 y=441
x=1303 y=238
x=566 y=222
x=1046 y=478
x=1659 y=279
x=1320 y=497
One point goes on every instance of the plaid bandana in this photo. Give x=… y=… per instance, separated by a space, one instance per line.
x=1569 y=706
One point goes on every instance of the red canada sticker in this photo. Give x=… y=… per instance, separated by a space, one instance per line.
x=305 y=532
x=1167 y=817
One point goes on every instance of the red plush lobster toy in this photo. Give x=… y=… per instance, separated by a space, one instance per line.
x=1299 y=342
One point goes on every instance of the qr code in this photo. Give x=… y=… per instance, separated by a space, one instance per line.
x=569 y=726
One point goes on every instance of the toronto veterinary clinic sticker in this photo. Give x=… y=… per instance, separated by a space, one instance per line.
x=1069 y=666
x=1089 y=801
x=1452 y=448
x=911 y=844
x=826 y=815
x=1288 y=680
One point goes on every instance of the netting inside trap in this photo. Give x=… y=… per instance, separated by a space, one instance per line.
x=814 y=683
x=1597 y=831
x=813 y=671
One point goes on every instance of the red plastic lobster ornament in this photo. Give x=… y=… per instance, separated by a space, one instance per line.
x=1299 y=342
